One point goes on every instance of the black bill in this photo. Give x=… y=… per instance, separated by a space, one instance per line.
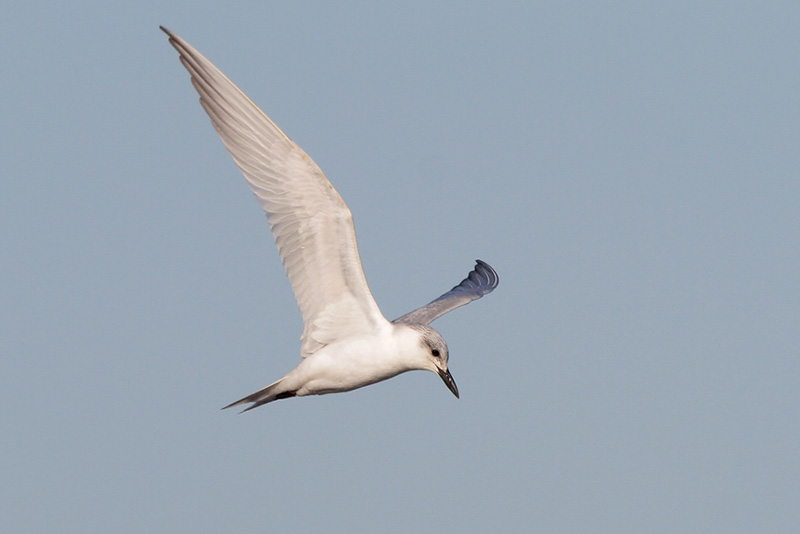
x=448 y=381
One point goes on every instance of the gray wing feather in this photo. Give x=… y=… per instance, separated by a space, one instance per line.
x=481 y=281
x=312 y=225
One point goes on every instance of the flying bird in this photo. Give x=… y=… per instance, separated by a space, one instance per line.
x=347 y=343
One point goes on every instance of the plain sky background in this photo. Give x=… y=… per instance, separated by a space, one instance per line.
x=631 y=169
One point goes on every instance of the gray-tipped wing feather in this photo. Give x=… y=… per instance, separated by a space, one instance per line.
x=480 y=281
x=312 y=225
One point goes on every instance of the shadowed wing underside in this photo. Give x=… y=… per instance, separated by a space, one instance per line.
x=312 y=225
x=479 y=282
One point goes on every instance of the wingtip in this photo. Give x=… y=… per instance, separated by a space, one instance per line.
x=172 y=37
x=492 y=278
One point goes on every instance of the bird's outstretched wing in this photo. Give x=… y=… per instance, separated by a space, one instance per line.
x=480 y=281
x=312 y=225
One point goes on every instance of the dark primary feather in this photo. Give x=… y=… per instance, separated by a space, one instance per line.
x=479 y=282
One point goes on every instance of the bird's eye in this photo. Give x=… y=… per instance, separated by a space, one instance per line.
x=435 y=352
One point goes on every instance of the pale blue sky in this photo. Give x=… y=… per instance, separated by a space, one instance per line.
x=630 y=169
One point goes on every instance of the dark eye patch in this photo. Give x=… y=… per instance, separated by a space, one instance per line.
x=435 y=352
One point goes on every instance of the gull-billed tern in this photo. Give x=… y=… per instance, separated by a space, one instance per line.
x=347 y=343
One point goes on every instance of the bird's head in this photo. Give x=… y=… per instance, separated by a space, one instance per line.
x=434 y=349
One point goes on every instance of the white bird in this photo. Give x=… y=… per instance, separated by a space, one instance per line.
x=347 y=343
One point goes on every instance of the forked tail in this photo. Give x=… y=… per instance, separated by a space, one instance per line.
x=262 y=396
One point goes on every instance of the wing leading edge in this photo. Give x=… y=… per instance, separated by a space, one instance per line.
x=479 y=282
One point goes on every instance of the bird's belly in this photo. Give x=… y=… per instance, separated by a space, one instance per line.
x=336 y=369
